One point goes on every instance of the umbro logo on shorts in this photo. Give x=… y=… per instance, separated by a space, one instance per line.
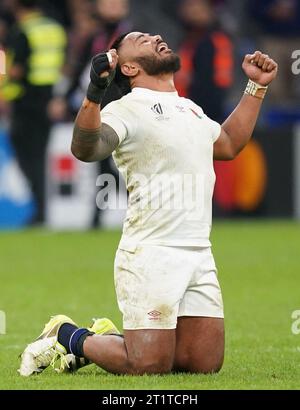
x=154 y=315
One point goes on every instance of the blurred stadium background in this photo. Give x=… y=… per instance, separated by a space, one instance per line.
x=42 y=185
x=212 y=38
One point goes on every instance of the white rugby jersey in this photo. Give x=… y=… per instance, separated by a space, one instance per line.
x=165 y=155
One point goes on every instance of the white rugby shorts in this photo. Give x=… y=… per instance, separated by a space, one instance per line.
x=157 y=284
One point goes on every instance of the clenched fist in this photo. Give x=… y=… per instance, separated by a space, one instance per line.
x=260 y=68
x=102 y=73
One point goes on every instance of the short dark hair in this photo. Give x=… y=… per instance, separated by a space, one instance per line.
x=118 y=41
x=28 y=4
x=121 y=80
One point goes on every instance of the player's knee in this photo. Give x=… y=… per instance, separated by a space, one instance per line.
x=152 y=366
x=207 y=368
x=207 y=365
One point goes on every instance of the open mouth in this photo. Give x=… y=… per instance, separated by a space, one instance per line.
x=162 y=47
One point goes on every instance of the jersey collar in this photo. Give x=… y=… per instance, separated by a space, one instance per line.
x=147 y=91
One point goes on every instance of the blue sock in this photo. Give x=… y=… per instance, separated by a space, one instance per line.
x=76 y=341
x=72 y=338
x=64 y=334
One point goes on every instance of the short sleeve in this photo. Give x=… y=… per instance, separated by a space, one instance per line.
x=118 y=117
x=214 y=126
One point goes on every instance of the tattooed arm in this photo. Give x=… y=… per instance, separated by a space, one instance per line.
x=92 y=141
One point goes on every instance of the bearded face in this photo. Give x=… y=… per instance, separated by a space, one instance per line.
x=141 y=51
x=154 y=65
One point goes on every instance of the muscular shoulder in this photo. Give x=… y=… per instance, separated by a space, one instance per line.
x=123 y=109
x=124 y=103
x=121 y=116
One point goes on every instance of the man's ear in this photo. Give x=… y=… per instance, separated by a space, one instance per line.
x=129 y=69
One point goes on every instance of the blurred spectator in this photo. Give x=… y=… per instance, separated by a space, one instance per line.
x=207 y=58
x=113 y=21
x=94 y=31
x=36 y=51
x=279 y=25
x=157 y=17
x=82 y=31
x=59 y=10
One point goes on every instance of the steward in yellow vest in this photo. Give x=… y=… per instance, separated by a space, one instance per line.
x=35 y=58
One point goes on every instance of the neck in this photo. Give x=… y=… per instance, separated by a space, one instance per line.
x=163 y=82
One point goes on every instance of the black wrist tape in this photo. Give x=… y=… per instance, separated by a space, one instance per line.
x=95 y=94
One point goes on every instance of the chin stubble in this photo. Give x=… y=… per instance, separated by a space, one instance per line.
x=155 y=66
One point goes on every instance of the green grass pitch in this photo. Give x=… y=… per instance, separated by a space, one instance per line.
x=44 y=273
